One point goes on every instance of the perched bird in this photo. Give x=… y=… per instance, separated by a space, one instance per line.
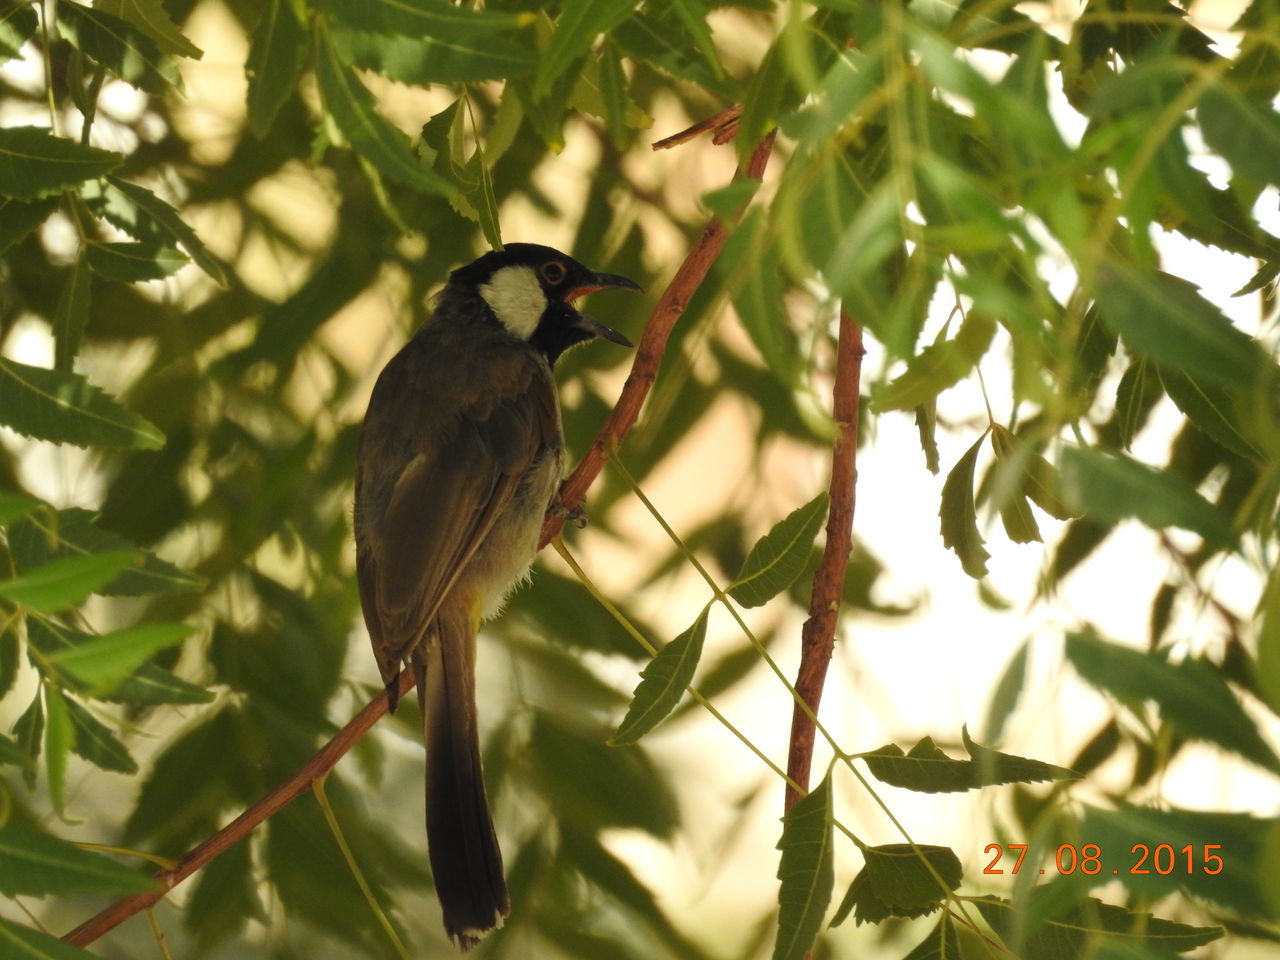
x=460 y=458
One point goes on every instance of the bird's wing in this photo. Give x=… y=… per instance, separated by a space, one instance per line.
x=447 y=496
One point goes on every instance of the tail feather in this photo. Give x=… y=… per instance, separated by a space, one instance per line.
x=466 y=861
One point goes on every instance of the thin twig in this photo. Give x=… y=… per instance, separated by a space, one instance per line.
x=653 y=344
x=239 y=828
x=817 y=639
x=724 y=126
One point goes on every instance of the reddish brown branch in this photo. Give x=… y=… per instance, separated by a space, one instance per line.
x=239 y=828
x=817 y=640
x=653 y=344
x=724 y=126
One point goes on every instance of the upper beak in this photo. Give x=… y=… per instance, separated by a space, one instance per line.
x=602 y=281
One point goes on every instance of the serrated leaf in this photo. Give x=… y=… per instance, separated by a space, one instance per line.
x=1267 y=665
x=421 y=18
x=1136 y=395
x=941 y=943
x=663 y=682
x=424 y=60
x=1065 y=935
x=134 y=262
x=170 y=223
x=34 y=163
x=17 y=23
x=150 y=18
x=94 y=741
x=71 y=316
x=928 y=770
x=693 y=14
x=1243 y=130
x=960 y=517
x=1192 y=696
x=29 y=732
x=17 y=219
x=65 y=582
x=895 y=882
x=59 y=735
x=806 y=871
x=66 y=408
x=1006 y=694
x=276 y=54
x=36 y=864
x=927 y=425
x=579 y=23
x=374 y=138
x=23 y=943
x=780 y=555
x=754 y=278
x=1037 y=478
x=118 y=46
x=105 y=661
x=1215 y=410
x=1109 y=486
x=938 y=366
x=613 y=95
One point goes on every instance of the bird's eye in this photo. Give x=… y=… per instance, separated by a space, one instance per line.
x=553 y=271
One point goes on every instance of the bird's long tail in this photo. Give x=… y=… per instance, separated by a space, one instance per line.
x=465 y=859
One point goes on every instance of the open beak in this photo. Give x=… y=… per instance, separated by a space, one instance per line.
x=602 y=281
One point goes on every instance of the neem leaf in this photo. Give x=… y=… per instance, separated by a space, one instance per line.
x=118 y=46
x=894 y=881
x=59 y=735
x=938 y=366
x=23 y=943
x=372 y=136
x=421 y=18
x=34 y=163
x=134 y=262
x=806 y=871
x=928 y=770
x=15 y=506
x=1110 y=486
x=171 y=224
x=780 y=555
x=94 y=741
x=1243 y=130
x=65 y=582
x=276 y=55
x=17 y=23
x=150 y=17
x=17 y=219
x=71 y=315
x=579 y=23
x=423 y=60
x=663 y=682
x=64 y=407
x=1193 y=697
x=36 y=864
x=1221 y=413
x=1066 y=933
x=960 y=516
x=104 y=662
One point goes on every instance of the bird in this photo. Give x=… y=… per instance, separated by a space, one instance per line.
x=460 y=456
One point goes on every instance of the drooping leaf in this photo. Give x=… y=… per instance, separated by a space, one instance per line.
x=37 y=864
x=942 y=942
x=422 y=18
x=104 y=662
x=134 y=262
x=960 y=516
x=1110 y=486
x=66 y=581
x=23 y=943
x=17 y=23
x=71 y=315
x=150 y=18
x=926 y=426
x=754 y=280
x=1268 y=658
x=938 y=366
x=579 y=23
x=169 y=224
x=1192 y=695
x=65 y=408
x=117 y=45
x=806 y=871
x=277 y=51
x=1217 y=411
x=1007 y=693
x=15 y=506
x=29 y=732
x=18 y=219
x=59 y=736
x=94 y=741
x=1243 y=129
x=663 y=682
x=423 y=60
x=34 y=163
x=927 y=769
x=895 y=882
x=780 y=555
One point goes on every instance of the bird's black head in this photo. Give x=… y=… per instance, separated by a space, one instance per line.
x=530 y=290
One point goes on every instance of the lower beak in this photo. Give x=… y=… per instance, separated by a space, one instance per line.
x=598 y=329
x=602 y=281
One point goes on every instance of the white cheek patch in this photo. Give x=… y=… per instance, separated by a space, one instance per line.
x=516 y=298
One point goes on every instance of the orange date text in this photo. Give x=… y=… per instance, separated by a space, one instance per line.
x=1162 y=858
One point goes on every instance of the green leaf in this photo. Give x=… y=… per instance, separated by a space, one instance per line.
x=1192 y=695
x=104 y=662
x=1065 y=936
x=29 y=731
x=134 y=262
x=1006 y=694
x=938 y=366
x=65 y=582
x=115 y=44
x=15 y=506
x=71 y=316
x=928 y=770
x=17 y=219
x=1110 y=486
x=579 y=23
x=59 y=735
x=806 y=871
x=894 y=882
x=755 y=282
x=34 y=163
x=94 y=741
x=169 y=223
x=373 y=138
x=66 y=408
x=1242 y=129
x=1136 y=395
x=780 y=555
x=23 y=943
x=17 y=24
x=1165 y=319
x=663 y=682
x=1223 y=414
x=693 y=15
x=613 y=95
x=1242 y=884
x=926 y=426
x=276 y=54
x=1267 y=666
x=36 y=864
x=424 y=60
x=149 y=17
x=960 y=517
x=942 y=942
x=421 y=18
